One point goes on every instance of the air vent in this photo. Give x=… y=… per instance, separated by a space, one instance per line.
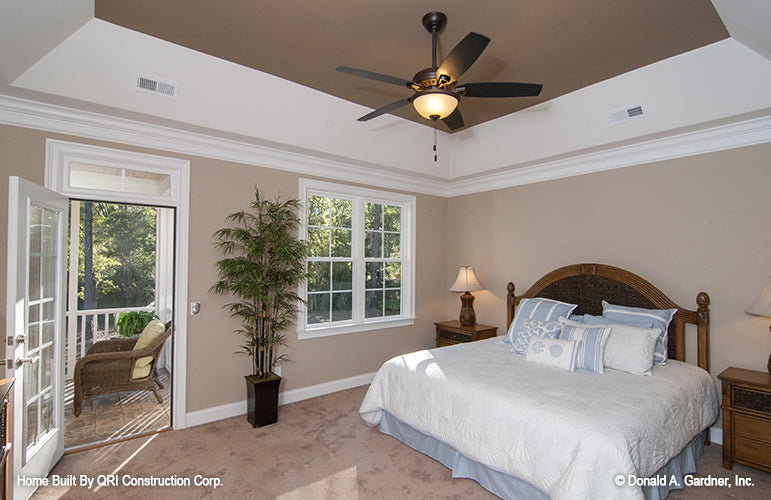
x=156 y=86
x=622 y=115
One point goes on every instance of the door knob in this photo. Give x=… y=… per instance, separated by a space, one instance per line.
x=9 y=363
x=19 y=339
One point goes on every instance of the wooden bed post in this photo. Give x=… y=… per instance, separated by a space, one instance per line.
x=510 y=305
x=703 y=329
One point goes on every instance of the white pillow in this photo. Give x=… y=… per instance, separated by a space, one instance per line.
x=628 y=348
x=631 y=349
x=660 y=319
x=553 y=352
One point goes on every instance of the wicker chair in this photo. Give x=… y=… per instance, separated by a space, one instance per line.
x=108 y=366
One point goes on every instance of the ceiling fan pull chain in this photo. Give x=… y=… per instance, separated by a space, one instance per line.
x=435 y=132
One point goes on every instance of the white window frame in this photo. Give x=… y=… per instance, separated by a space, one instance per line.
x=309 y=187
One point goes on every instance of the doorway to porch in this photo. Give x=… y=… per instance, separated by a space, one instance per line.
x=121 y=275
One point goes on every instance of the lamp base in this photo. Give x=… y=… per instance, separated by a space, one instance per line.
x=467 y=316
x=768 y=366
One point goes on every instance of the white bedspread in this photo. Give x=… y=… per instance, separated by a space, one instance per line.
x=568 y=434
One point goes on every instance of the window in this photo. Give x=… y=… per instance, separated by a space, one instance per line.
x=361 y=271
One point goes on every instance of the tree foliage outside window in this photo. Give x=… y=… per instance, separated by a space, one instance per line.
x=123 y=255
x=331 y=288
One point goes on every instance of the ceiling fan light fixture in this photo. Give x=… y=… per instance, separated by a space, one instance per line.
x=436 y=103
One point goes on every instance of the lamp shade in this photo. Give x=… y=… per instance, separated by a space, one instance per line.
x=466 y=281
x=435 y=103
x=762 y=306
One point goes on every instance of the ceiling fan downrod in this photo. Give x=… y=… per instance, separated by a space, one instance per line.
x=434 y=22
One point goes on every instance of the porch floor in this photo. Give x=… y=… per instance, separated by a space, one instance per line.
x=116 y=415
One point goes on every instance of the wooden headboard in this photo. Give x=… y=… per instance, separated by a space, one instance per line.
x=589 y=284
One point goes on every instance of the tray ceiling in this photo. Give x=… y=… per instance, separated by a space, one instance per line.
x=563 y=44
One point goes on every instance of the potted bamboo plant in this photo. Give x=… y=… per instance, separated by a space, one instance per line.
x=263 y=265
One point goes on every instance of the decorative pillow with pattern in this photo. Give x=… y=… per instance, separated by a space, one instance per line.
x=537 y=308
x=591 y=355
x=530 y=327
x=553 y=352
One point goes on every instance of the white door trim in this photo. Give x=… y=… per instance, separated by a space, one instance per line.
x=59 y=156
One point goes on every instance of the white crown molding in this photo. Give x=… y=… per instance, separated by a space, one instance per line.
x=59 y=119
x=734 y=135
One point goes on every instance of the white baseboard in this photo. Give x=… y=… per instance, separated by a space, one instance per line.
x=326 y=388
x=215 y=413
x=716 y=435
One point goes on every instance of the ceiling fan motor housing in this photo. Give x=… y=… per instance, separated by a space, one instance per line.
x=427 y=78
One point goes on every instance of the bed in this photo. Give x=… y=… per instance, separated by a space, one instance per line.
x=523 y=429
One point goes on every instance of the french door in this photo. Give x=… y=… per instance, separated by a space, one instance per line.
x=37 y=230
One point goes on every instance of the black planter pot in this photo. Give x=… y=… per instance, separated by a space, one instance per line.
x=262 y=399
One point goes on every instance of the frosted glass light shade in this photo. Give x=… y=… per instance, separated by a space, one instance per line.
x=431 y=103
x=466 y=281
x=762 y=306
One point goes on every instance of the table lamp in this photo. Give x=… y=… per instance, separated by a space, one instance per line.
x=762 y=307
x=467 y=282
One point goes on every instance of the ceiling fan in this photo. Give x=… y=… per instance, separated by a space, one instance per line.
x=436 y=89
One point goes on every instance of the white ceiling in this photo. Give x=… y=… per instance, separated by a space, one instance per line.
x=56 y=52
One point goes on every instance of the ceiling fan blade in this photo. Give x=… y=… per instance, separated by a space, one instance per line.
x=499 y=89
x=454 y=120
x=463 y=56
x=371 y=75
x=385 y=109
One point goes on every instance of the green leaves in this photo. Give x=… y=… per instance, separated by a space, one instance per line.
x=123 y=254
x=132 y=323
x=264 y=262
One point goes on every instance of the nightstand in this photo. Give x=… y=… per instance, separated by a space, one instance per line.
x=746 y=418
x=452 y=332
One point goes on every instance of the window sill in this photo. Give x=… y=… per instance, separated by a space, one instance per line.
x=379 y=324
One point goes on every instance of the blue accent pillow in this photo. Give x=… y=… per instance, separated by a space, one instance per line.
x=591 y=354
x=660 y=318
x=588 y=319
x=530 y=327
x=538 y=308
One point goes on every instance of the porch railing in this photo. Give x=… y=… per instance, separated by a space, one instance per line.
x=88 y=326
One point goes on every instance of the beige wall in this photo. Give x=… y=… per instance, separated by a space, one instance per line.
x=686 y=225
x=214 y=373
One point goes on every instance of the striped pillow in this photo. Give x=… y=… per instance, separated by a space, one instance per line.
x=591 y=354
x=538 y=308
x=660 y=318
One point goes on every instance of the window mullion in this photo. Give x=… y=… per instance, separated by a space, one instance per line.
x=357 y=253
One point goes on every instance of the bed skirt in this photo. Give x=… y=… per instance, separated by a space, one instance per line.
x=509 y=487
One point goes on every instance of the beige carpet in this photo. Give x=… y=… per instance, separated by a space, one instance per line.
x=319 y=449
